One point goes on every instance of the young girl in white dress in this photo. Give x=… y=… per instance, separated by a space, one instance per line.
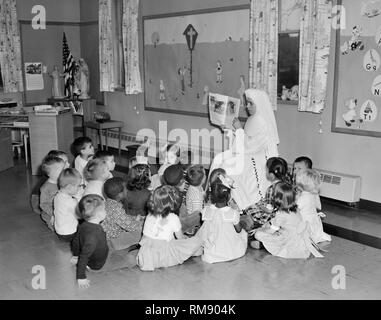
x=286 y=235
x=163 y=243
x=222 y=231
x=308 y=183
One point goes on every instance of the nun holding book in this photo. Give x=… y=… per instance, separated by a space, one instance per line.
x=250 y=147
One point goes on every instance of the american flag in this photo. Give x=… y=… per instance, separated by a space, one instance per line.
x=68 y=68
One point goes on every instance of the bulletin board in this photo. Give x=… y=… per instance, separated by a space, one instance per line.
x=189 y=54
x=357 y=84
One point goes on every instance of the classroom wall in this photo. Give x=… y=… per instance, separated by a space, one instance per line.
x=46 y=45
x=56 y=10
x=90 y=44
x=299 y=131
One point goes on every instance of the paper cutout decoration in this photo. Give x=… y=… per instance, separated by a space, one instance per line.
x=219 y=72
x=376 y=86
x=350 y=116
x=371 y=61
x=368 y=111
x=371 y=8
x=206 y=95
x=377 y=37
x=190 y=34
x=181 y=71
x=354 y=43
x=162 y=91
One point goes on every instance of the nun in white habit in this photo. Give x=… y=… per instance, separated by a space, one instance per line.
x=245 y=160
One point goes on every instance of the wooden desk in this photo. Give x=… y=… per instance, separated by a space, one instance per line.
x=85 y=110
x=111 y=124
x=49 y=132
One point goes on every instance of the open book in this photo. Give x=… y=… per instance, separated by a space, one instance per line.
x=223 y=109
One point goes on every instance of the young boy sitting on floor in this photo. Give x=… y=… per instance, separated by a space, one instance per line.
x=300 y=164
x=35 y=194
x=52 y=167
x=122 y=230
x=96 y=173
x=84 y=151
x=65 y=204
x=89 y=246
x=108 y=157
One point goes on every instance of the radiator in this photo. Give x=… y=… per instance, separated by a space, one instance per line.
x=339 y=186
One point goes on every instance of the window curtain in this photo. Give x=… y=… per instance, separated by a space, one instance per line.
x=315 y=37
x=10 y=48
x=131 y=46
x=263 y=47
x=106 y=53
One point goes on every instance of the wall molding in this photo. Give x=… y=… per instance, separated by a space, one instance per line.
x=363 y=204
x=64 y=23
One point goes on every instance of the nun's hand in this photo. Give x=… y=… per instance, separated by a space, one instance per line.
x=237 y=123
x=224 y=128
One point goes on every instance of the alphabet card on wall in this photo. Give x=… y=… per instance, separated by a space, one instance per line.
x=189 y=54
x=357 y=86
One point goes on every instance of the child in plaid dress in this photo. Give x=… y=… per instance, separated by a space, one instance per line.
x=264 y=210
x=122 y=230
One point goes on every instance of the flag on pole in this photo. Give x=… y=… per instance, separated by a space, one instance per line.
x=68 y=68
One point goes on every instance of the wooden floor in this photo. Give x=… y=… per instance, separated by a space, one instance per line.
x=25 y=242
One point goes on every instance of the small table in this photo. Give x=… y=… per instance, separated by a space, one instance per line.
x=110 y=124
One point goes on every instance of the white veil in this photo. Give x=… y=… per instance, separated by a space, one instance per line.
x=264 y=118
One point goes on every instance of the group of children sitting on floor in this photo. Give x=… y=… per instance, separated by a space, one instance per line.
x=174 y=214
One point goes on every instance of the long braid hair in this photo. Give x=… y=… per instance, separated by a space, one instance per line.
x=279 y=168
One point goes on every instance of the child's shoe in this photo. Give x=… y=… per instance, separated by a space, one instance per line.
x=35 y=203
x=74 y=260
x=133 y=247
x=191 y=232
x=321 y=214
x=255 y=244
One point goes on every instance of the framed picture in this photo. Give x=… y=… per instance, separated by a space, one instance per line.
x=189 y=54
x=357 y=84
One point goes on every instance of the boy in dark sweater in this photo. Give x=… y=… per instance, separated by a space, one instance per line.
x=90 y=247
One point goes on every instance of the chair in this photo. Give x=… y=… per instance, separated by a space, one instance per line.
x=20 y=139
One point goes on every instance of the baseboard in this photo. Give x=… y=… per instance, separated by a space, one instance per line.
x=362 y=204
x=352 y=235
x=370 y=205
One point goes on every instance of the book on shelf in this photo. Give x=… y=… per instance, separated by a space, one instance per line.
x=50 y=110
x=21 y=124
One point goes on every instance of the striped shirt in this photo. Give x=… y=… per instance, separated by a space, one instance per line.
x=194 y=199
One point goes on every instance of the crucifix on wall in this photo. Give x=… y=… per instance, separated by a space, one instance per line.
x=190 y=34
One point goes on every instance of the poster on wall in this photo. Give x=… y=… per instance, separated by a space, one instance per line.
x=189 y=54
x=33 y=76
x=357 y=87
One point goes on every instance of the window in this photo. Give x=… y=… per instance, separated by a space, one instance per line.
x=288 y=61
x=290 y=12
x=117 y=13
